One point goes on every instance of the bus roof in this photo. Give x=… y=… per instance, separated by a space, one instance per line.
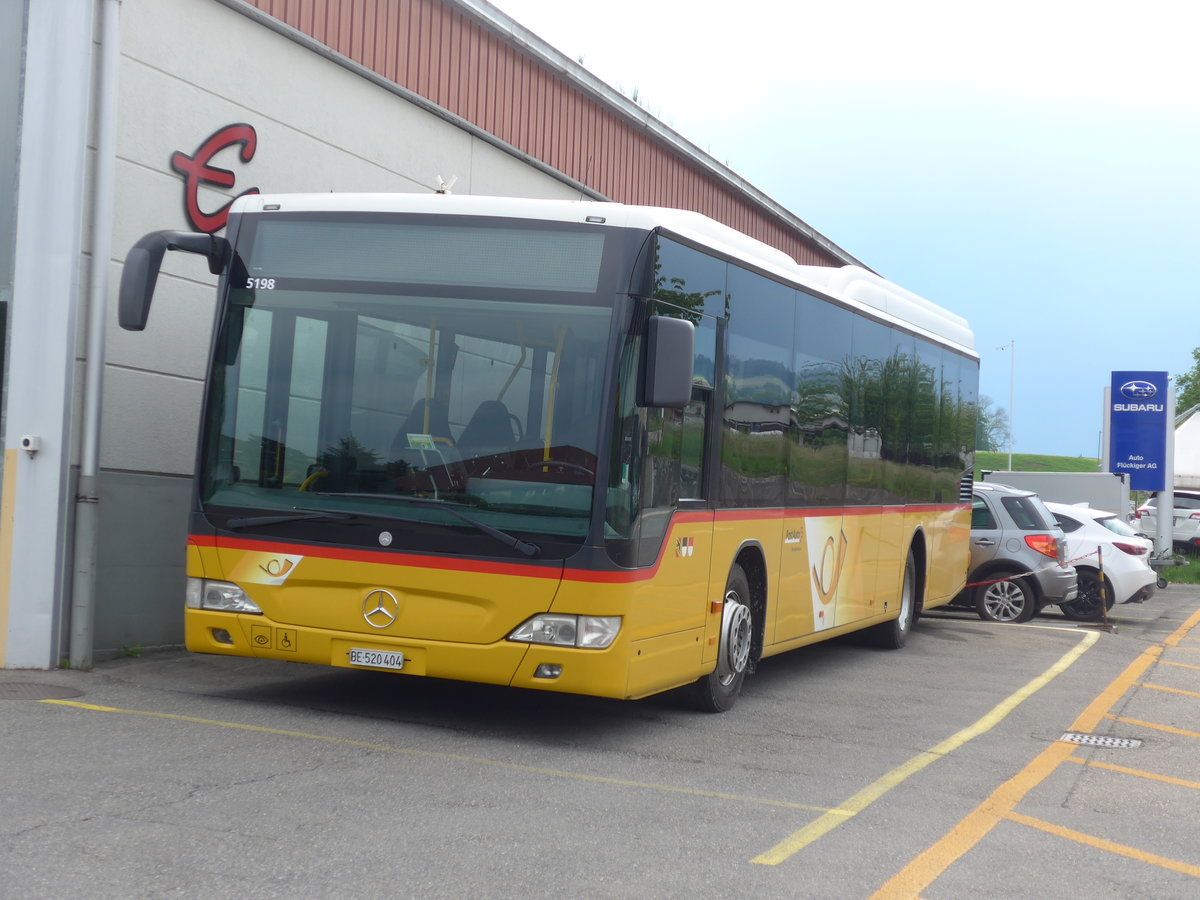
x=853 y=285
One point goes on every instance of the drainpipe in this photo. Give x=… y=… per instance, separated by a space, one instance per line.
x=87 y=500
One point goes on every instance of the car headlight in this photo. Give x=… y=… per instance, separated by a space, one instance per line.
x=219 y=595
x=592 y=632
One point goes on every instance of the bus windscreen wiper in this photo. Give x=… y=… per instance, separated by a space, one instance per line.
x=240 y=522
x=509 y=540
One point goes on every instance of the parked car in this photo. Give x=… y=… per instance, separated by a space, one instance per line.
x=1018 y=556
x=1185 y=516
x=1098 y=540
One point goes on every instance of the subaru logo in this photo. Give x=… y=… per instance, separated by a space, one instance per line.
x=1138 y=390
x=380 y=609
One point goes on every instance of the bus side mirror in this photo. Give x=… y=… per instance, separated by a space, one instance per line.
x=670 y=347
x=140 y=272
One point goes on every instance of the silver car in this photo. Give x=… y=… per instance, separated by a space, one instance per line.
x=1018 y=556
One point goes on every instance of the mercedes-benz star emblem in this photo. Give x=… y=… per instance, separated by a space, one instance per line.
x=380 y=609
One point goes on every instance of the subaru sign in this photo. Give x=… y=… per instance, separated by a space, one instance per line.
x=1137 y=429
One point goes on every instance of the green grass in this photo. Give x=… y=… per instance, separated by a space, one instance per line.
x=1188 y=573
x=1034 y=462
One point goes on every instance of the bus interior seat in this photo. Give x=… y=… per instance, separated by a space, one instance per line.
x=492 y=429
x=439 y=425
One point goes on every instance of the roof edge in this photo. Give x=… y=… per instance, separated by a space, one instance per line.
x=513 y=32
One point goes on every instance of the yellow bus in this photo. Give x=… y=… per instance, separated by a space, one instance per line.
x=570 y=446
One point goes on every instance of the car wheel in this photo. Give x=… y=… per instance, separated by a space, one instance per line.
x=1005 y=598
x=1086 y=606
x=719 y=689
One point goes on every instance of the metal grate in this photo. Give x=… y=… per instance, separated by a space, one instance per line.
x=25 y=690
x=965 y=487
x=1101 y=740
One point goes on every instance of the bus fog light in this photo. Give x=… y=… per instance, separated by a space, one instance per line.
x=547 y=670
x=221 y=636
x=592 y=632
x=219 y=595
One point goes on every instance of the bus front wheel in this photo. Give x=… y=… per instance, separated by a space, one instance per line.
x=894 y=634
x=718 y=690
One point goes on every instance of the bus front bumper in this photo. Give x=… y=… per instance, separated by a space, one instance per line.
x=601 y=673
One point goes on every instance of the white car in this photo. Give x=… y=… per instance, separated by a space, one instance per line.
x=1186 y=516
x=1098 y=540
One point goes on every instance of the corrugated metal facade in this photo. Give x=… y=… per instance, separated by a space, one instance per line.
x=445 y=52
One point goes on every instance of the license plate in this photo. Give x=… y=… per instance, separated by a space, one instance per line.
x=376 y=659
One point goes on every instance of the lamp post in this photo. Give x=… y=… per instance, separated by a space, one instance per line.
x=1011 y=347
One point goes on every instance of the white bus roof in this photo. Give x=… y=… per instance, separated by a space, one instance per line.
x=852 y=285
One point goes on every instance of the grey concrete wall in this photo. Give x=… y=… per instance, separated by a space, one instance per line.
x=140 y=575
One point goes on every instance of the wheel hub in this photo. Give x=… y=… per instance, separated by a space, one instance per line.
x=735 y=639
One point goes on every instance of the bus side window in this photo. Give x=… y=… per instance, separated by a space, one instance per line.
x=691 y=440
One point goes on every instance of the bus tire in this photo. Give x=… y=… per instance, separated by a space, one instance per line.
x=719 y=689
x=894 y=634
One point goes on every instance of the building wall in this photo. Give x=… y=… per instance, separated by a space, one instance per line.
x=469 y=58
x=48 y=269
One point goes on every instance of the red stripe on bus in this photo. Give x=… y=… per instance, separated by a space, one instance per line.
x=378 y=556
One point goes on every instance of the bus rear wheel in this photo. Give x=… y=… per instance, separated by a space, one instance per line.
x=719 y=690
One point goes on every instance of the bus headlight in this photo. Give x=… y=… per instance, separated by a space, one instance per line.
x=219 y=595
x=592 y=632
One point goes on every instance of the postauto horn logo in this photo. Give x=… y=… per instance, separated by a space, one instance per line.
x=1138 y=390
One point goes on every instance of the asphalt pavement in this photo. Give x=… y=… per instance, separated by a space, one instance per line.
x=843 y=772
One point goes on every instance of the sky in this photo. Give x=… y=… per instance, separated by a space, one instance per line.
x=1031 y=166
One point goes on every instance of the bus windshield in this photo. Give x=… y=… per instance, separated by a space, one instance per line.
x=438 y=384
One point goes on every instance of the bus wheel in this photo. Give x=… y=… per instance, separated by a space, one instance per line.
x=894 y=634
x=718 y=690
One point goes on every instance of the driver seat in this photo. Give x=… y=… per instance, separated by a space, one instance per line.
x=492 y=429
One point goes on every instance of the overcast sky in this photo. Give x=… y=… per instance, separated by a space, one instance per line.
x=1032 y=166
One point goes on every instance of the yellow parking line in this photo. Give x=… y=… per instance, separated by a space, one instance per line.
x=1167 y=728
x=433 y=754
x=796 y=842
x=1165 y=662
x=1155 y=687
x=1139 y=773
x=1121 y=849
x=976 y=825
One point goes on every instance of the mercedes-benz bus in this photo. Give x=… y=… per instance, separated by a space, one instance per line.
x=571 y=446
